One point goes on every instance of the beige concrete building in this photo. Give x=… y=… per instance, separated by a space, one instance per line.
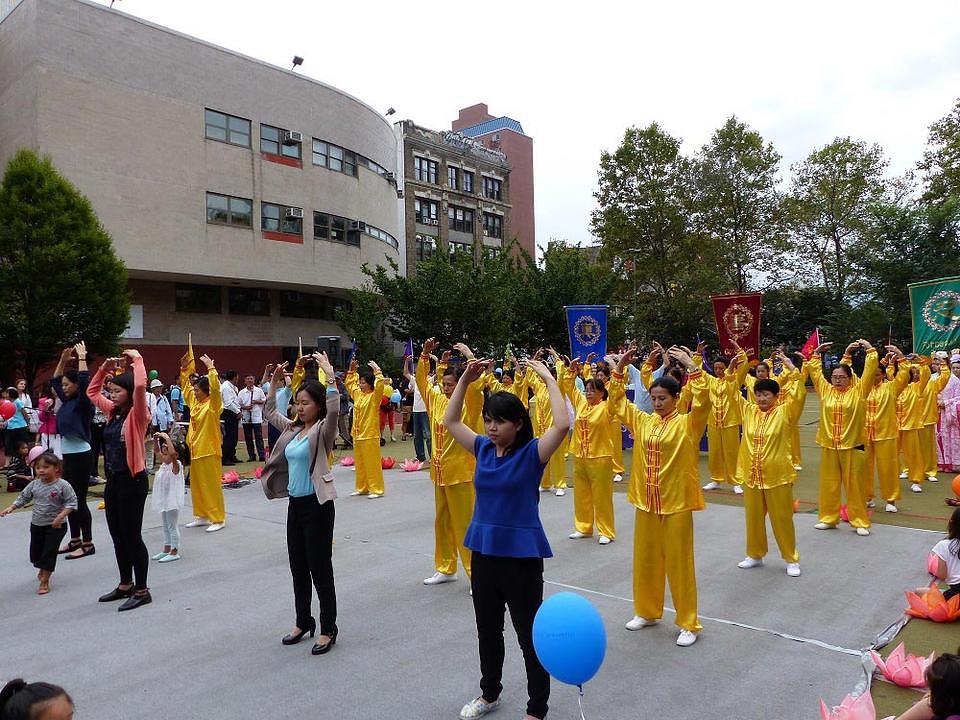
x=242 y=197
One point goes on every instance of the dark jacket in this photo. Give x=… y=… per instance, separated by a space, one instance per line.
x=76 y=413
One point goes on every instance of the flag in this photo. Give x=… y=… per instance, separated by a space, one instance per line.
x=812 y=343
x=408 y=348
x=192 y=364
x=587 y=328
x=738 y=319
x=935 y=307
x=353 y=352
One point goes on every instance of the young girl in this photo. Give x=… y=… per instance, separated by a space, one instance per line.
x=48 y=406
x=53 y=499
x=505 y=536
x=947 y=552
x=20 y=700
x=943 y=700
x=168 y=492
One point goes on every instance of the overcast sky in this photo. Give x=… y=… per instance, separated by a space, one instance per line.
x=577 y=74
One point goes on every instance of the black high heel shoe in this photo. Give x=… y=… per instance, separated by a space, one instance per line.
x=319 y=649
x=292 y=639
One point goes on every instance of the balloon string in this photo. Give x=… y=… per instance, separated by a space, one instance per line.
x=580 y=702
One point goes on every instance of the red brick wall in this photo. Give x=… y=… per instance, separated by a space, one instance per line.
x=471 y=116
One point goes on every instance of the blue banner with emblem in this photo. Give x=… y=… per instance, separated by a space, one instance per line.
x=587 y=327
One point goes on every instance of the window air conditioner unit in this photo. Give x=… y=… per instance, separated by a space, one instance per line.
x=292 y=137
x=293 y=212
x=358 y=225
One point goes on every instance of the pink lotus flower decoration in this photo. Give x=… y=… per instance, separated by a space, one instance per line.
x=932 y=606
x=411 y=465
x=845 y=517
x=387 y=463
x=348 y=461
x=852 y=708
x=903 y=669
x=230 y=477
x=258 y=473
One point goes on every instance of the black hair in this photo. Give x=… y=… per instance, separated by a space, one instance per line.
x=771 y=386
x=49 y=458
x=722 y=358
x=230 y=375
x=125 y=381
x=604 y=367
x=455 y=370
x=72 y=375
x=943 y=679
x=510 y=374
x=847 y=370
x=676 y=373
x=203 y=383
x=597 y=385
x=668 y=383
x=316 y=392
x=20 y=700
x=756 y=368
x=368 y=377
x=12 y=394
x=20 y=443
x=953 y=532
x=506 y=407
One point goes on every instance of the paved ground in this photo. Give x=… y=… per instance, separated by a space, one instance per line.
x=209 y=645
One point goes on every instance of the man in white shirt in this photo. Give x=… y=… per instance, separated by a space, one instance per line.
x=230 y=416
x=252 y=401
x=419 y=420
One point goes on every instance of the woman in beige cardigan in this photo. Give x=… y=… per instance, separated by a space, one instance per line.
x=298 y=468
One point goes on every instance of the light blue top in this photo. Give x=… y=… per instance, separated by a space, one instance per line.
x=17 y=421
x=297 y=453
x=283 y=400
x=641 y=396
x=70 y=444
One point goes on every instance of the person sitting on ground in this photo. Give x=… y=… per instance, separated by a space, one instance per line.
x=20 y=700
x=18 y=473
x=943 y=700
x=947 y=553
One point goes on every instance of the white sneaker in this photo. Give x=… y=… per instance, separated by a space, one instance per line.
x=577 y=535
x=904 y=475
x=618 y=478
x=686 y=638
x=561 y=492
x=604 y=540
x=932 y=478
x=793 y=569
x=170 y=558
x=862 y=532
x=197 y=522
x=392 y=439
x=891 y=508
x=825 y=526
x=737 y=490
x=374 y=496
x=159 y=555
x=916 y=488
x=478 y=708
x=544 y=489
x=638 y=622
x=438 y=578
x=712 y=485
x=871 y=504
x=215 y=527
x=358 y=492
x=749 y=562
x=798 y=468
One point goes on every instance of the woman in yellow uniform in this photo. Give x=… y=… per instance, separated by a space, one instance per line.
x=592 y=449
x=723 y=426
x=840 y=435
x=665 y=489
x=451 y=467
x=940 y=376
x=366 y=392
x=602 y=373
x=204 y=441
x=555 y=474
x=765 y=468
x=912 y=415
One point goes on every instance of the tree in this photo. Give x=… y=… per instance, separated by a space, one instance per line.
x=60 y=280
x=831 y=194
x=941 y=160
x=790 y=314
x=362 y=320
x=738 y=206
x=667 y=272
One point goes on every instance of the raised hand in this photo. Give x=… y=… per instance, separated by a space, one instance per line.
x=373 y=366
x=66 y=355
x=207 y=360
x=701 y=346
x=81 y=350
x=626 y=359
x=682 y=357
x=277 y=380
x=323 y=362
x=429 y=345
x=822 y=346
x=185 y=361
x=475 y=368
x=445 y=357
x=464 y=350
x=353 y=364
x=131 y=353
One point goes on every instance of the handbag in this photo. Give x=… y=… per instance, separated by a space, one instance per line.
x=33 y=419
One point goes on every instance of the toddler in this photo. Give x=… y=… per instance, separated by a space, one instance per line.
x=168 y=492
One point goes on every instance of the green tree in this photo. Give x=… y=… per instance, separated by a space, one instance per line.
x=738 y=206
x=362 y=320
x=831 y=195
x=60 y=280
x=790 y=314
x=941 y=160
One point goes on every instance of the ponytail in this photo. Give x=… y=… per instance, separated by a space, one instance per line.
x=20 y=700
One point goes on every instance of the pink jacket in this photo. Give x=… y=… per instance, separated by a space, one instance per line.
x=135 y=426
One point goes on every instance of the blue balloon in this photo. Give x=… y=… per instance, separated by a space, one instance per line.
x=395 y=397
x=569 y=638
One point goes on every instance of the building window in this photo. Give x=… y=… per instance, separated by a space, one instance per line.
x=492 y=225
x=492 y=252
x=229 y=210
x=460 y=219
x=334 y=228
x=275 y=218
x=335 y=157
x=370 y=164
x=426 y=246
x=453 y=177
x=425 y=211
x=227 y=128
x=297 y=304
x=248 y=301
x=467 y=181
x=271 y=142
x=460 y=247
x=381 y=235
x=198 y=298
x=492 y=188
x=425 y=170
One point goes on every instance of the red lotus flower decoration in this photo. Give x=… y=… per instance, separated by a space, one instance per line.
x=845 y=517
x=230 y=477
x=387 y=463
x=258 y=473
x=348 y=461
x=409 y=465
x=902 y=668
x=932 y=606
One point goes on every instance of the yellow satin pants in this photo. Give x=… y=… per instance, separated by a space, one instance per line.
x=555 y=473
x=206 y=488
x=593 y=496
x=617 y=435
x=842 y=470
x=454 y=511
x=915 y=453
x=723 y=444
x=796 y=455
x=663 y=549
x=776 y=502
x=368 y=466
x=881 y=457
x=931 y=447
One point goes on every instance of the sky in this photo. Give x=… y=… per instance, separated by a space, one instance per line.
x=576 y=75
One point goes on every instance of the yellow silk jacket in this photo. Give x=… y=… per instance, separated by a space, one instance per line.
x=765 y=458
x=725 y=393
x=366 y=405
x=203 y=435
x=592 y=436
x=910 y=403
x=843 y=414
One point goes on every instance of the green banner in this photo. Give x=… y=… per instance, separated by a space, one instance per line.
x=935 y=307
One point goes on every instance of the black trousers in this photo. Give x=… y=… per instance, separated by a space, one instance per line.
x=253 y=436
x=44 y=544
x=96 y=448
x=231 y=429
x=516 y=583
x=76 y=471
x=310 y=549
x=125 y=496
